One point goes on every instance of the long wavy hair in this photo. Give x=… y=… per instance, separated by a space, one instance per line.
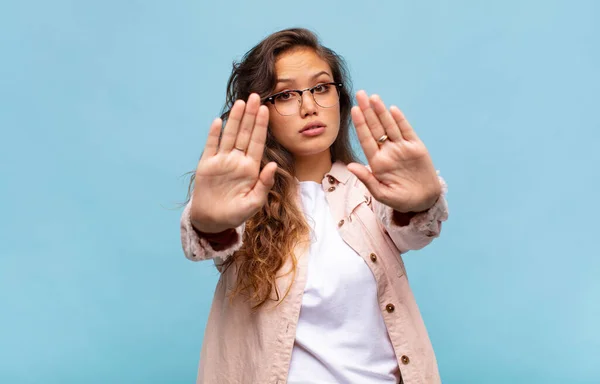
x=272 y=233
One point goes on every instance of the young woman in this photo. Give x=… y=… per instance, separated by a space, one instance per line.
x=308 y=241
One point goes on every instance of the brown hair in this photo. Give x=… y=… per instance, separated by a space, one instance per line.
x=272 y=233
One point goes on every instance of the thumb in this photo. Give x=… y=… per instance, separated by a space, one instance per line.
x=265 y=181
x=366 y=177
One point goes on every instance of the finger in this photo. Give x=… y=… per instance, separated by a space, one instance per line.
x=245 y=130
x=371 y=117
x=232 y=126
x=212 y=142
x=388 y=122
x=265 y=182
x=366 y=177
x=365 y=137
x=256 y=147
x=407 y=132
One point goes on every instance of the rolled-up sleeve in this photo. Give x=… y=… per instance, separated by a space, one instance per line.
x=423 y=227
x=197 y=247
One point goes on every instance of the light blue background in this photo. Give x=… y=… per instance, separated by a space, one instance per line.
x=104 y=105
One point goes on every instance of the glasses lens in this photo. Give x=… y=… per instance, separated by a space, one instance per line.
x=287 y=103
x=326 y=95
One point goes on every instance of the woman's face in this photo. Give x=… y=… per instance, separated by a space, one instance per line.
x=302 y=68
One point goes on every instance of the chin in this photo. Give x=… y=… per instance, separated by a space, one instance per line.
x=312 y=148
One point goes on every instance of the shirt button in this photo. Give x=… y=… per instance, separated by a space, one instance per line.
x=341 y=223
x=390 y=308
x=331 y=189
x=373 y=257
x=331 y=179
x=405 y=360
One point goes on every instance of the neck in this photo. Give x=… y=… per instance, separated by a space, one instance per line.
x=313 y=168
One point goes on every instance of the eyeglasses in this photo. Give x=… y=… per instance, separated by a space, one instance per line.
x=286 y=103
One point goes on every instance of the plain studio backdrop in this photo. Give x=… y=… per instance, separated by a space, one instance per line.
x=105 y=105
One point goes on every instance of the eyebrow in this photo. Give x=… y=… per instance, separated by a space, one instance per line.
x=286 y=80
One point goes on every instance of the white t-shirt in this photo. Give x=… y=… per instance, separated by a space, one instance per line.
x=341 y=336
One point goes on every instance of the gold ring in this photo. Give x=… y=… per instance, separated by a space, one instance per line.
x=382 y=139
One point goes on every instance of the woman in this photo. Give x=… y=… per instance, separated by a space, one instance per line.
x=307 y=240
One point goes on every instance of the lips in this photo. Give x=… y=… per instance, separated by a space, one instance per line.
x=312 y=125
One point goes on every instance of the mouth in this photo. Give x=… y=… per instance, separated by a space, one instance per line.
x=314 y=126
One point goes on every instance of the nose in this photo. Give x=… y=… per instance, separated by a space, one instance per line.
x=308 y=106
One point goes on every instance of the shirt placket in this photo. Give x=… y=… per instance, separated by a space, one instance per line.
x=347 y=228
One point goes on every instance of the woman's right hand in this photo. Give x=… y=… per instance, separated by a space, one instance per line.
x=229 y=186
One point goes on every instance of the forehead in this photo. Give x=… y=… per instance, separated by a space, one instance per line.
x=299 y=63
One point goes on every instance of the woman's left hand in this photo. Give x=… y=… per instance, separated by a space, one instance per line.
x=402 y=174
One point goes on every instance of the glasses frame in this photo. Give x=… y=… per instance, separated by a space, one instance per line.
x=300 y=92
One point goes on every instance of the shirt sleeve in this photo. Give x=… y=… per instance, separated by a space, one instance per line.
x=422 y=228
x=198 y=246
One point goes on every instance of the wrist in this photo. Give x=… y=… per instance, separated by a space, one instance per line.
x=427 y=205
x=207 y=227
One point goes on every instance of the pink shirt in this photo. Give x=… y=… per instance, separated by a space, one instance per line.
x=242 y=347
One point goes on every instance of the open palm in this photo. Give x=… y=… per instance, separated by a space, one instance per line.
x=229 y=186
x=401 y=173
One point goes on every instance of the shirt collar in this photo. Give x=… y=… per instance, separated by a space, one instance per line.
x=340 y=172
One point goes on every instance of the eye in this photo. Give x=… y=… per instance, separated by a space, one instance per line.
x=321 y=88
x=285 y=96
